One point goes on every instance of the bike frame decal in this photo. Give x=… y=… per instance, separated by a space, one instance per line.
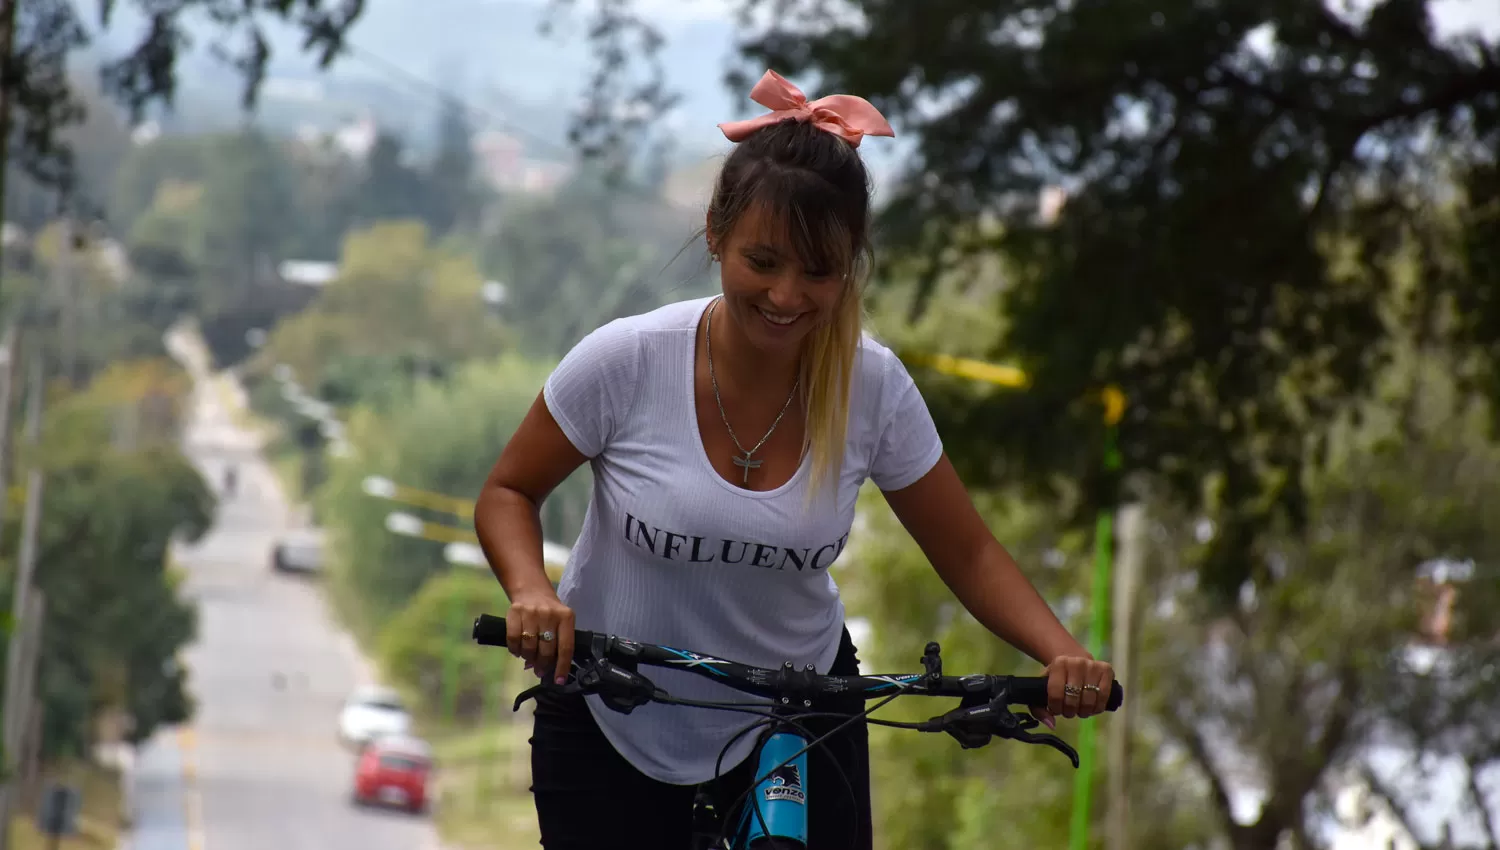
x=781 y=796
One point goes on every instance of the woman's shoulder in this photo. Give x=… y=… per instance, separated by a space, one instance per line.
x=620 y=338
x=876 y=364
x=677 y=316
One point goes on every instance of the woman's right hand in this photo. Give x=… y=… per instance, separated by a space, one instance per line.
x=539 y=629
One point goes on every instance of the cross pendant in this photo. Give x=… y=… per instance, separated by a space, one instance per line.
x=747 y=464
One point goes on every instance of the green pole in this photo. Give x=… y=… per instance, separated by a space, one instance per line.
x=1104 y=532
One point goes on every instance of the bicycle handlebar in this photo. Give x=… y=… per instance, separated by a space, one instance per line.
x=788 y=683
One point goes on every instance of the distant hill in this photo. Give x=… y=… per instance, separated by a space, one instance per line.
x=489 y=51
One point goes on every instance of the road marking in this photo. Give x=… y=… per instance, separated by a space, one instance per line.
x=187 y=742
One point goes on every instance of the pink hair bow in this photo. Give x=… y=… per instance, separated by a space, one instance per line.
x=844 y=115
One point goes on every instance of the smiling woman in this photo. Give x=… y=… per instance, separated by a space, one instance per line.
x=729 y=438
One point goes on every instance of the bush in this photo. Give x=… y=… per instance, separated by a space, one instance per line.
x=427 y=651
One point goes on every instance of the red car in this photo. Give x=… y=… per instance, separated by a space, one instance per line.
x=393 y=771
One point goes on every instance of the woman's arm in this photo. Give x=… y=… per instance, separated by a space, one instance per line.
x=507 y=519
x=937 y=512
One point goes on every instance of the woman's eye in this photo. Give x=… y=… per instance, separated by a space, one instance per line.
x=759 y=263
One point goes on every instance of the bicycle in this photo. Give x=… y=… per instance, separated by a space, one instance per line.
x=776 y=819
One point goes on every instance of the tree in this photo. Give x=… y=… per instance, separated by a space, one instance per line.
x=572 y=262
x=452 y=173
x=397 y=299
x=392 y=188
x=1213 y=154
x=967 y=797
x=419 y=642
x=441 y=437
x=114 y=621
x=37 y=96
x=137 y=188
x=1319 y=676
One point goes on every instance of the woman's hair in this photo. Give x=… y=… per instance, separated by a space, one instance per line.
x=814 y=186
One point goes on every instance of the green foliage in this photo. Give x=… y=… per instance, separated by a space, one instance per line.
x=430 y=637
x=967 y=797
x=44 y=101
x=397 y=298
x=1206 y=177
x=441 y=437
x=114 y=623
x=576 y=261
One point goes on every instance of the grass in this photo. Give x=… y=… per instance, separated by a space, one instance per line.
x=483 y=776
x=99 y=820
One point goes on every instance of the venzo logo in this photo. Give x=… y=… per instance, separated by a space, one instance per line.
x=786 y=784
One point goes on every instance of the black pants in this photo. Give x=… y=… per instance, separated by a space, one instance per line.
x=589 y=797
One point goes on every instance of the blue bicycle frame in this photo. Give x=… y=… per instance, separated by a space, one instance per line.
x=777 y=808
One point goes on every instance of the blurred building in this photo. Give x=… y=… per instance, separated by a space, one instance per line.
x=500 y=160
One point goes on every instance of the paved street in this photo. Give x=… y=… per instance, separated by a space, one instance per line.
x=260 y=768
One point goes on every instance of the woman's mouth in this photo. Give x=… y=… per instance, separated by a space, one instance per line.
x=780 y=320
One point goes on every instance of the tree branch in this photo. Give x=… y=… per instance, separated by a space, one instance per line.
x=1491 y=825
x=1197 y=750
x=1387 y=796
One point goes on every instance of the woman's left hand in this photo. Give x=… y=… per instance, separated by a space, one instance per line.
x=1077 y=686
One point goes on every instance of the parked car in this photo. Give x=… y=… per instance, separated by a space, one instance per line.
x=394 y=770
x=299 y=551
x=372 y=712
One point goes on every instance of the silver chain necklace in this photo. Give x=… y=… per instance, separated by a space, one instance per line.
x=743 y=462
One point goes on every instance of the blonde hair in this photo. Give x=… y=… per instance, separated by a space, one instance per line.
x=814 y=185
x=827 y=377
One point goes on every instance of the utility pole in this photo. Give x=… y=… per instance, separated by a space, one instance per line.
x=8 y=10
x=1131 y=523
x=25 y=617
x=10 y=352
x=28 y=708
x=67 y=290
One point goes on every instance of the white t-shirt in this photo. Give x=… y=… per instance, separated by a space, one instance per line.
x=671 y=553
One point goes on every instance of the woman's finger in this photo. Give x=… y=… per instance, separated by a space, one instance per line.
x=564 y=646
x=1072 y=689
x=1106 y=683
x=513 y=632
x=1089 y=702
x=546 y=645
x=1057 y=678
x=1044 y=717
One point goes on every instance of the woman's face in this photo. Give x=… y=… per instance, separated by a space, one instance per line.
x=768 y=293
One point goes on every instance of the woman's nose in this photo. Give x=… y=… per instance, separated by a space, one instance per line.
x=786 y=293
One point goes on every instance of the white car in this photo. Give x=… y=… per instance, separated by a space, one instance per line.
x=299 y=551
x=371 y=712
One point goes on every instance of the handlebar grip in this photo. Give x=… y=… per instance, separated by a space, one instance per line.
x=489 y=630
x=1032 y=691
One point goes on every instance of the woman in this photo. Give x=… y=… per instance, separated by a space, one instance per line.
x=728 y=439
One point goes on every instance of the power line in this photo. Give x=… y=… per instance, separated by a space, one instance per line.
x=439 y=95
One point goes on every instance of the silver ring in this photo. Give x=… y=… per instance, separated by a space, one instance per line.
x=547 y=636
x=1094 y=688
x=1072 y=690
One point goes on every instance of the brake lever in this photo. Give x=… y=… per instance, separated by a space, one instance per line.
x=973 y=726
x=623 y=690
x=1052 y=741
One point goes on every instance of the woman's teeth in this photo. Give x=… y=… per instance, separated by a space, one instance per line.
x=777 y=319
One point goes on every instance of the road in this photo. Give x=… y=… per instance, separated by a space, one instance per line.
x=259 y=768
